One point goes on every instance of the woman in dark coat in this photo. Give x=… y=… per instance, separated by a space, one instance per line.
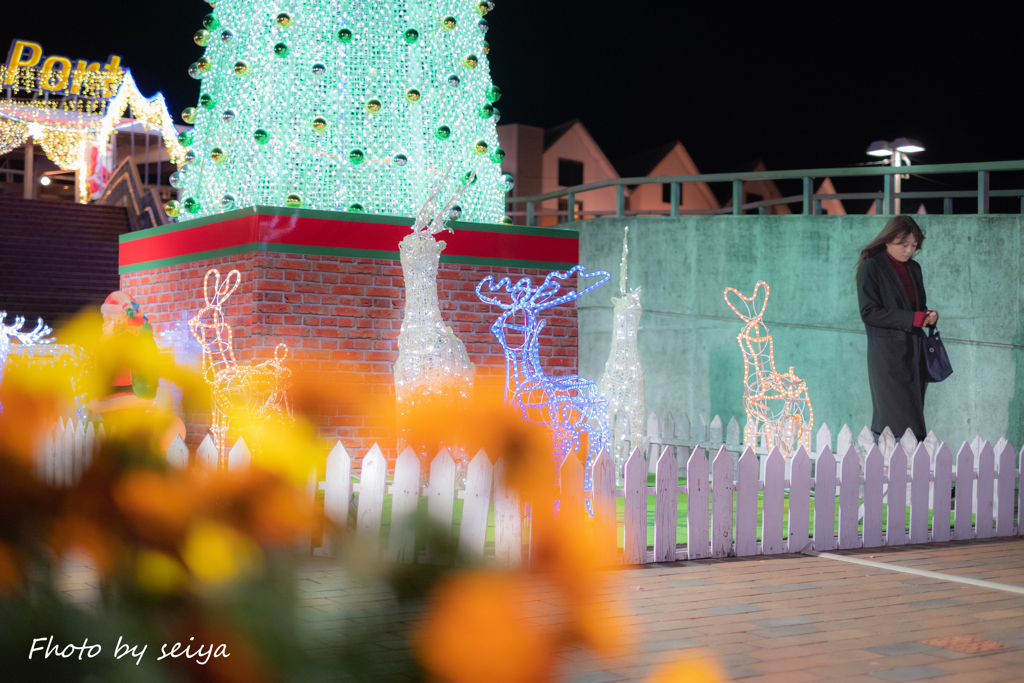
x=892 y=301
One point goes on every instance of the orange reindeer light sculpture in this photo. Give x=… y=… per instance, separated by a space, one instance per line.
x=778 y=408
x=258 y=391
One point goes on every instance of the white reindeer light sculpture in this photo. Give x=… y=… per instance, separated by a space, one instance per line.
x=39 y=335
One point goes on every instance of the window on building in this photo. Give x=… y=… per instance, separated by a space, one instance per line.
x=570 y=172
x=666 y=193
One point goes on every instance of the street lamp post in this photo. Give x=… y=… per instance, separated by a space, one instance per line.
x=897 y=151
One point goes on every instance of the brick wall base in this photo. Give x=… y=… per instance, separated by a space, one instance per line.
x=340 y=317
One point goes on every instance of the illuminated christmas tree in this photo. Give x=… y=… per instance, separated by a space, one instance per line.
x=347 y=106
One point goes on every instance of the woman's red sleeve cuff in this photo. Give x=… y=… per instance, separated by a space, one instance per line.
x=919 y=317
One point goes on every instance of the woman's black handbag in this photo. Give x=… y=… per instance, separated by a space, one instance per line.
x=936 y=357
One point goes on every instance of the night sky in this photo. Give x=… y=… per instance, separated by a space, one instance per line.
x=797 y=87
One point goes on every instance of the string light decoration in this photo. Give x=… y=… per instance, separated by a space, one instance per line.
x=569 y=405
x=777 y=405
x=12 y=135
x=37 y=348
x=432 y=362
x=623 y=380
x=258 y=392
x=342 y=107
x=67 y=135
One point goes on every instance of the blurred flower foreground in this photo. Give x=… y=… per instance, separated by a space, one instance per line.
x=134 y=570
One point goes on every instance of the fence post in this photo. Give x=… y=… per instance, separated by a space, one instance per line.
x=531 y=217
x=947 y=205
x=620 y=200
x=737 y=198
x=817 y=206
x=808 y=192
x=878 y=207
x=887 y=194
x=983 y=189
x=570 y=205
x=676 y=197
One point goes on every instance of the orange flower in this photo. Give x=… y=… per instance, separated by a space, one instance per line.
x=156 y=505
x=477 y=630
x=695 y=670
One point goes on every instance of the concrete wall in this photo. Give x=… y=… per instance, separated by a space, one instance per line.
x=973 y=275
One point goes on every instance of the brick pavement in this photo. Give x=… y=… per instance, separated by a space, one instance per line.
x=784 y=618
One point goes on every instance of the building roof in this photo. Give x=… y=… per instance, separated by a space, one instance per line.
x=643 y=163
x=553 y=135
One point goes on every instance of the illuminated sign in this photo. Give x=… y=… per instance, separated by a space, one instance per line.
x=29 y=71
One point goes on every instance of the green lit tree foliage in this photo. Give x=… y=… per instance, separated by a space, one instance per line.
x=353 y=106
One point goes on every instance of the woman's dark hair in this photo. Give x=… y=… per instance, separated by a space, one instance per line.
x=896 y=230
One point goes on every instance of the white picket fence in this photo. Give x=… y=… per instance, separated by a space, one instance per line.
x=873 y=494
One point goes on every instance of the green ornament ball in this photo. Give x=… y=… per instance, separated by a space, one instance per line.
x=493 y=94
x=293 y=201
x=355 y=208
x=412 y=95
x=206 y=101
x=449 y=23
x=345 y=35
x=189 y=115
x=218 y=155
x=210 y=22
x=281 y=50
x=498 y=155
x=202 y=37
x=191 y=205
x=356 y=156
x=485 y=111
x=483 y=8
x=284 y=20
x=506 y=220
x=469 y=178
x=480 y=147
x=185 y=137
x=411 y=35
x=443 y=133
x=319 y=124
x=373 y=106
x=261 y=136
x=172 y=208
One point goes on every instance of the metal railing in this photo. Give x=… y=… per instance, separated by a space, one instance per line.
x=885 y=201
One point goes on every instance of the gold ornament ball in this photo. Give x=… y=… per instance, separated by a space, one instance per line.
x=480 y=147
x=470 y=61
x=241 y=68
x=448 y=23
x=172 y=208
x=373 y=106
x=204 y=64
x=319 y=124
x=218 y=155
x=284 y=20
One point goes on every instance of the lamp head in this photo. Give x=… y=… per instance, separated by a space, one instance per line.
x=879 y=148
x=907 y=145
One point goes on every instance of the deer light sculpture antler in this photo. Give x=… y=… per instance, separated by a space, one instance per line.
x=258 y=392
x=777 y=405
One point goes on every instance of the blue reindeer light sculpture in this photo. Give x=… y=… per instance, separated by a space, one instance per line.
x=570 y=405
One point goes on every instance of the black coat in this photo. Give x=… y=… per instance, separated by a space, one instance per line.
x=896 y=364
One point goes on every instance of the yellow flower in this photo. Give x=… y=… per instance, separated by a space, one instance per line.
x=159 y=573
x=217 y=554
